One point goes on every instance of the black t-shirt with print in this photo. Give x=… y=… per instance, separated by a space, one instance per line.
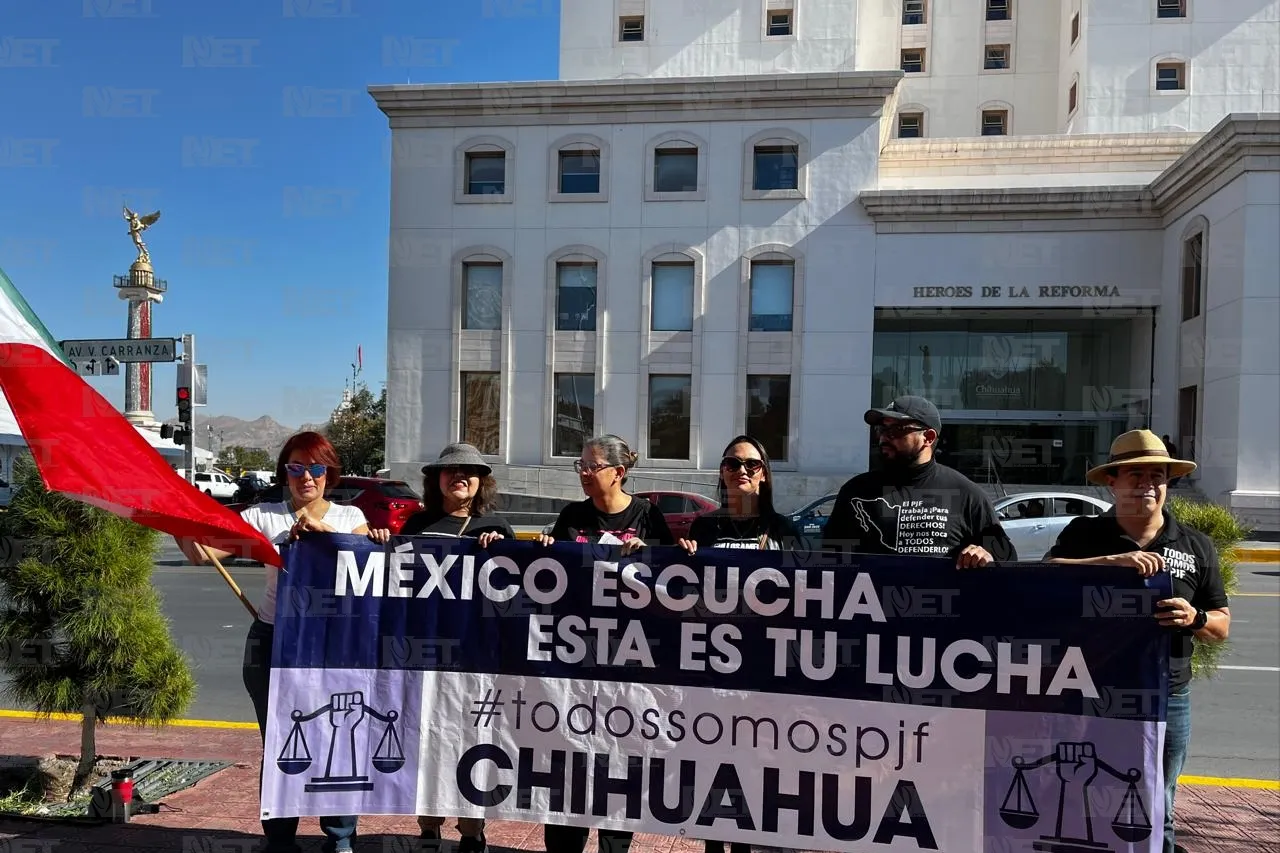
x=718 y=529
x=581 y=521
x=425 y=522
x=1189 y=557
x=929 y=510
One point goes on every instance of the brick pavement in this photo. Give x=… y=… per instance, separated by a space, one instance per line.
x=218 y=815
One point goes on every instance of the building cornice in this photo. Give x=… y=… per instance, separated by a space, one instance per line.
x=1239 y=143
x=1135 y=205
x=842 y=94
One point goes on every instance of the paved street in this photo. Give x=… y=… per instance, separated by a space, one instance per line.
x=1236 y=733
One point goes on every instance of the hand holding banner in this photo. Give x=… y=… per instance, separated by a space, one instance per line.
x=736 y=695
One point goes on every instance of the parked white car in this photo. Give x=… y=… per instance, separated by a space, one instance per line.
x=213 y=483
x=1033 y=520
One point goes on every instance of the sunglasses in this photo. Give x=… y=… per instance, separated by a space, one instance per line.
x=462 y=471
x=733 y=464
x=899 y=430
x=297 y=469
x=590 y=469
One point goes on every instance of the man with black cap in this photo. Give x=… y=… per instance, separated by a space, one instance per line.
x=914 y=504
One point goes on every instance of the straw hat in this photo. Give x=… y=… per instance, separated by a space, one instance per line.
x=1139 y=447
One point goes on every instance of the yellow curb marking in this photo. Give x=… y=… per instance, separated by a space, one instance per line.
x=125 y=721
x=1257 y=784
x=1214 y=781
x=1258 y=555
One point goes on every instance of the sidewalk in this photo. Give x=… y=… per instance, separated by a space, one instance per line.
x=218 y=815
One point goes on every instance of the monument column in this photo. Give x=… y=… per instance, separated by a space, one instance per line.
x=141 y=289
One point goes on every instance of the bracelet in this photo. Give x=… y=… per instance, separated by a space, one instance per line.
x=1202 y=619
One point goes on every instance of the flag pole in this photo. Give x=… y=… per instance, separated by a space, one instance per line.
x=230 y=580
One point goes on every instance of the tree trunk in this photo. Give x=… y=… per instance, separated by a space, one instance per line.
x=88 y=748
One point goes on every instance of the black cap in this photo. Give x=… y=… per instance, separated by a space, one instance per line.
x=907 y=408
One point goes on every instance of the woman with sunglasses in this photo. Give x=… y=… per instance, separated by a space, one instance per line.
x=746 y=517
x=308 y=465
x=607 y=516
x=459 y=494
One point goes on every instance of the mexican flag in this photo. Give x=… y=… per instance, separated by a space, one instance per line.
x=86 y=450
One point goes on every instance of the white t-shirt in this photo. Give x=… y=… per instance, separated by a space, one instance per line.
x=274 y=521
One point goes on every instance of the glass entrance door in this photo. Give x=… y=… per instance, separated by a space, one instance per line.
x=1026 y=452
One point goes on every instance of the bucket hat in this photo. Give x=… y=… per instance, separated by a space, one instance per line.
x=459 y=455
x=1139 y=447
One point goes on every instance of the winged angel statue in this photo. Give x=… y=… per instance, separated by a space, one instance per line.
x=138 y=224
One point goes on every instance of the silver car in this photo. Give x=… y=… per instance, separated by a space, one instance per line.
x=1033 y=520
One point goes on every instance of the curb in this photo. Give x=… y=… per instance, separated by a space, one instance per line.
x=1258 y=555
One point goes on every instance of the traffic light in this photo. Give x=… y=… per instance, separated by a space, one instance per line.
x=184 y=405
x=177 y=433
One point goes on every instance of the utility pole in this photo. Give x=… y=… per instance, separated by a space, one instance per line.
x=185 y=384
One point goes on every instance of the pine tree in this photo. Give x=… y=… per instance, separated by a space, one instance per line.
x=81 y=619
x=359 y=432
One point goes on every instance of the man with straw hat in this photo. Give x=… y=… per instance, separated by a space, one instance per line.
x=1140 y=533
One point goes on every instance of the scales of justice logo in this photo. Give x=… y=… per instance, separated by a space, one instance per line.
x=1076 y=765
x=346 y=713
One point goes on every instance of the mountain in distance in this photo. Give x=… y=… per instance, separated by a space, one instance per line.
x=264 y=433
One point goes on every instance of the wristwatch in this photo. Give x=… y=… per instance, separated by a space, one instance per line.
x=1202 y=619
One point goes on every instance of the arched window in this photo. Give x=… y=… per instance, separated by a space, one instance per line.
x=482 y=296
x=1195 y=240
x=579 y=168
x=1170 y=74
x=672 y=287
x=995 y=118
x=912 y=122
x=577 y=281
x=485 y=171
x=775 y=165
x=675 y=167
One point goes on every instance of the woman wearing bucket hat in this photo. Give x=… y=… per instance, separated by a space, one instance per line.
x=1140 y=533
x=459 y=494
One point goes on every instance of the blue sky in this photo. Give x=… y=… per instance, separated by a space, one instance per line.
x=248 y=124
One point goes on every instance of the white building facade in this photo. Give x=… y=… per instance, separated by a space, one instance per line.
x=729 y=217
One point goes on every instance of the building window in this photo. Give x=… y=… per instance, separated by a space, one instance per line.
x=769 y=413
x=777 y=167
x=772 y=286
x=910 y=125
x=482 y=296
x=576 y=296
x=575 y=414
x=481 y=411
x=671 y=308
x=997 y=57
x=913 y=61
x=1072 y=95
x=1188 y=417
x=1171 y=76
x=675 y=170
x=486 y=172
x=779 y=24
x=631 y=28
x=913 y=12
x=998 y=10
x=580 y=172
x=1171 y=8
x=1075 y=28
x=670 y=408
x=1192 y=275
x=995 y=122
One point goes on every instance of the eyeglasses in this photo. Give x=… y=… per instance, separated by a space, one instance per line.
x=899 y=430
x=733 y=463
x=297 y=469
x=593 y=468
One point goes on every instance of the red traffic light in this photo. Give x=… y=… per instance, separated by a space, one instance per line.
x=184 y=393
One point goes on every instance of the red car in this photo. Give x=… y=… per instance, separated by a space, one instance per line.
x=385 y=503
x=679 y=509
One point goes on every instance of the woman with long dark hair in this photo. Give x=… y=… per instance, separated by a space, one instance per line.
x=746 y=517
x=309 y=467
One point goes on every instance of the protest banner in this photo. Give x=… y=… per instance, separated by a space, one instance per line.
x=775 y=699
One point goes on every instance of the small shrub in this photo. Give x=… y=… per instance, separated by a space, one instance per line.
x=1227 y=532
